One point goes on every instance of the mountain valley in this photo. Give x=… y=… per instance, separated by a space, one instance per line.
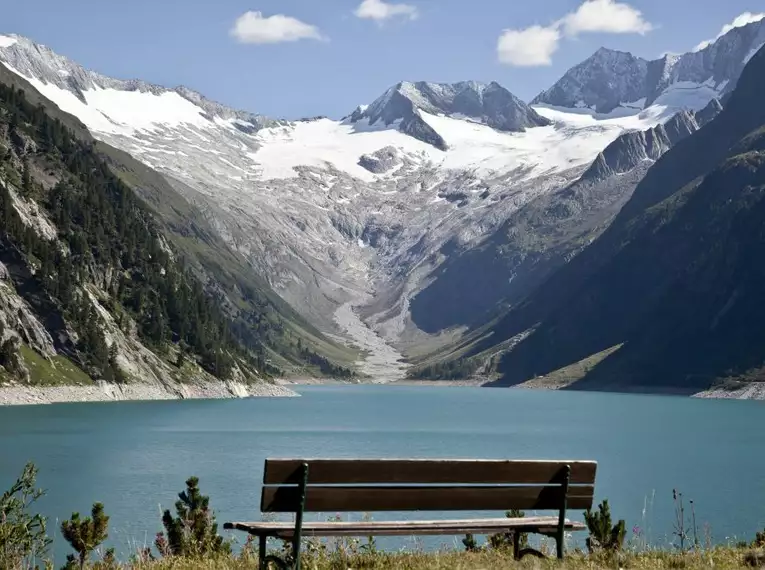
x=441 y=230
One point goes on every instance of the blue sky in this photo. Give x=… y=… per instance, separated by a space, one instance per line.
x=296 y=58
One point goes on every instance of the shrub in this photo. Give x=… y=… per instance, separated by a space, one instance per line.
x=193 y=532
x=504 y=540
x=23 y=538
x=602 y=534
x=85 y=535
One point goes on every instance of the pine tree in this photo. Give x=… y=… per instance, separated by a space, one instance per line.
x=193 y=532
x=84 y=535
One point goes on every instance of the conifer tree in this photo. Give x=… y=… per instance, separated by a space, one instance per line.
x=193 y=532
x=85 y=535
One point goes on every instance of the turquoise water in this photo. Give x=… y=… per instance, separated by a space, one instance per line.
x=135 y=456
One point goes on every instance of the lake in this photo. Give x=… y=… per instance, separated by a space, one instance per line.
x=135 y=456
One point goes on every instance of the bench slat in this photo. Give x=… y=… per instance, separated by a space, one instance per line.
x=367 y=499
x=403 y=528
x=369 y=471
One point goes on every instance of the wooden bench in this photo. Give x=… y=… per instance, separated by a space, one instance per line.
x=376 y=485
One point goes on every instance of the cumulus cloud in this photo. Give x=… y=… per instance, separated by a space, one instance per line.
x=530 y=47
x=606 y=16
x=254 y=28
x=738 y=22
x=381 y=11
x=535 y=46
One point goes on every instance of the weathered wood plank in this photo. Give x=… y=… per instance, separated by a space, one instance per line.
x=403 y=528
x=419 y=498
x=470 y=471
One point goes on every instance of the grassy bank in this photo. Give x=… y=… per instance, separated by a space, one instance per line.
x=718 y=558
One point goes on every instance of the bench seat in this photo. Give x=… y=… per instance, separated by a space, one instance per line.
x=286 y=530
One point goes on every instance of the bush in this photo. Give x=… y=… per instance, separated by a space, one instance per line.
x=603 y=536
x=504 y=540
x=23 y=539
x=85 y=535
x=193 y=532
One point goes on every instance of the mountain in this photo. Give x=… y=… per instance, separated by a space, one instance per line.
x=345 y=219
x=489 y=104
x=669 y=297
x=605 y=81
x=382 y=228
x=610 y=80
x=153 y=303
x=87 y=277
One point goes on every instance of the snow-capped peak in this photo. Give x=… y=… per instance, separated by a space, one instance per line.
x=610 y=79
x=489 y=104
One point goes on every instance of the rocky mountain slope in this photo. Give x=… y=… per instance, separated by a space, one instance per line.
x=612 y=81
x=669 y=297
x=94 y=293
x=544 y=234
x=365 y=224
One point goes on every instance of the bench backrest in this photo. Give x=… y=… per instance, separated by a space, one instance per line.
x=369 y=485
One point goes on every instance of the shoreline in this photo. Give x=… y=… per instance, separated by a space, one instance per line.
x=18 y=395
x=745 y=391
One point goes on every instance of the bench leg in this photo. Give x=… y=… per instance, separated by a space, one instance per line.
x=299 y=516
x=560 y=535
x=517 y=545
x=262 y=552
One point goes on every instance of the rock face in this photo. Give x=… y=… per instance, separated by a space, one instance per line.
x=381 y=161
x=611 y=79
x=490 y=104
x=709 y=112
x=631 y=149
x=603 y=82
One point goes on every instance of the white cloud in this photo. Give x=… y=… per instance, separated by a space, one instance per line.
x=531 y=47
x=606 y=16
x=741 y=20
x=380 y=10
x=535 y=45
x=254 y=28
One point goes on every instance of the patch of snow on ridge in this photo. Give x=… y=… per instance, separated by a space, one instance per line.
x=7 y=41
x=689 y=95
x=69 y=103
x=122 y=112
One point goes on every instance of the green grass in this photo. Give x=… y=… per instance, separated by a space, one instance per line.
x=573 y=372
x=60 y=371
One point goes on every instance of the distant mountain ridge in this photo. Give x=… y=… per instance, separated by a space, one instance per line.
x=35 y=60
x=610 y=79
x=490 y=104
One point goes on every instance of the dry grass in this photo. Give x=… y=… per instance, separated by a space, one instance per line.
x=718 y=558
